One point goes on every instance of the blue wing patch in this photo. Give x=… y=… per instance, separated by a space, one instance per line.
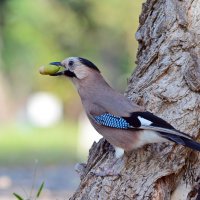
x=112 y=121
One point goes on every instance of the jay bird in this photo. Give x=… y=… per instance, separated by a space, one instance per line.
x=125 y=125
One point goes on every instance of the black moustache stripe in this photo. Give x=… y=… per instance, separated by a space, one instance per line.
x=69 y=74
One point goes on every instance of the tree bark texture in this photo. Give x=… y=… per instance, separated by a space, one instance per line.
x=167 y=82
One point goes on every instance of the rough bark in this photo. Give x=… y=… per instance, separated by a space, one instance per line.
x=167 y=82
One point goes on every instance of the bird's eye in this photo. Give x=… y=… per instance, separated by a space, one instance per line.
x=71 y=63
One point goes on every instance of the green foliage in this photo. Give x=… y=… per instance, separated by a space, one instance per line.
x=40 y=189
x=34 y=33
x=36 y=197
x=38 y=32
x=18 y=196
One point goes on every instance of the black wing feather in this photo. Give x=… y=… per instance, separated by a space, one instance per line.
x=134 y=121
x=182 y=140
x=179 y=137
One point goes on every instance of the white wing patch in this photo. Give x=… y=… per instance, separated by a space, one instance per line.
x=144 y=122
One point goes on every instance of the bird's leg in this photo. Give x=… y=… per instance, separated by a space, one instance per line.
x=110 y=170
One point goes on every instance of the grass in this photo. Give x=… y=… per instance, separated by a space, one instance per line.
x=37 y=195
x=22 y=144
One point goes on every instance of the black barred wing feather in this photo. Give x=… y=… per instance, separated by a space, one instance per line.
x=112 y=121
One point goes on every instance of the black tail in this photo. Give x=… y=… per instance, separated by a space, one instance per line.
x=191 y=144
x=183 y=141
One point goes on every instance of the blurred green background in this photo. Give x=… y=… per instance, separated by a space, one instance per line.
x=34 y=33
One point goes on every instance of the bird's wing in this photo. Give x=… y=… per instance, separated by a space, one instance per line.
x=147 y=121
x=138 y=121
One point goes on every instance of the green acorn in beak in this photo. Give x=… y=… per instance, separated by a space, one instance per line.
x=49 y=69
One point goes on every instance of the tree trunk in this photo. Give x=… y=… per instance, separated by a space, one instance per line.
x=167 y=82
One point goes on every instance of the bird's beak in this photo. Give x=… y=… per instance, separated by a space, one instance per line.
x=65 y=72
x=56 y=63
x=57 y=73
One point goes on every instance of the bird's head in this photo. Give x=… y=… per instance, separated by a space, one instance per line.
x=76 y=68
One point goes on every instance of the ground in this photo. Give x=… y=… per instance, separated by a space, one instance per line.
x=60 y=182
